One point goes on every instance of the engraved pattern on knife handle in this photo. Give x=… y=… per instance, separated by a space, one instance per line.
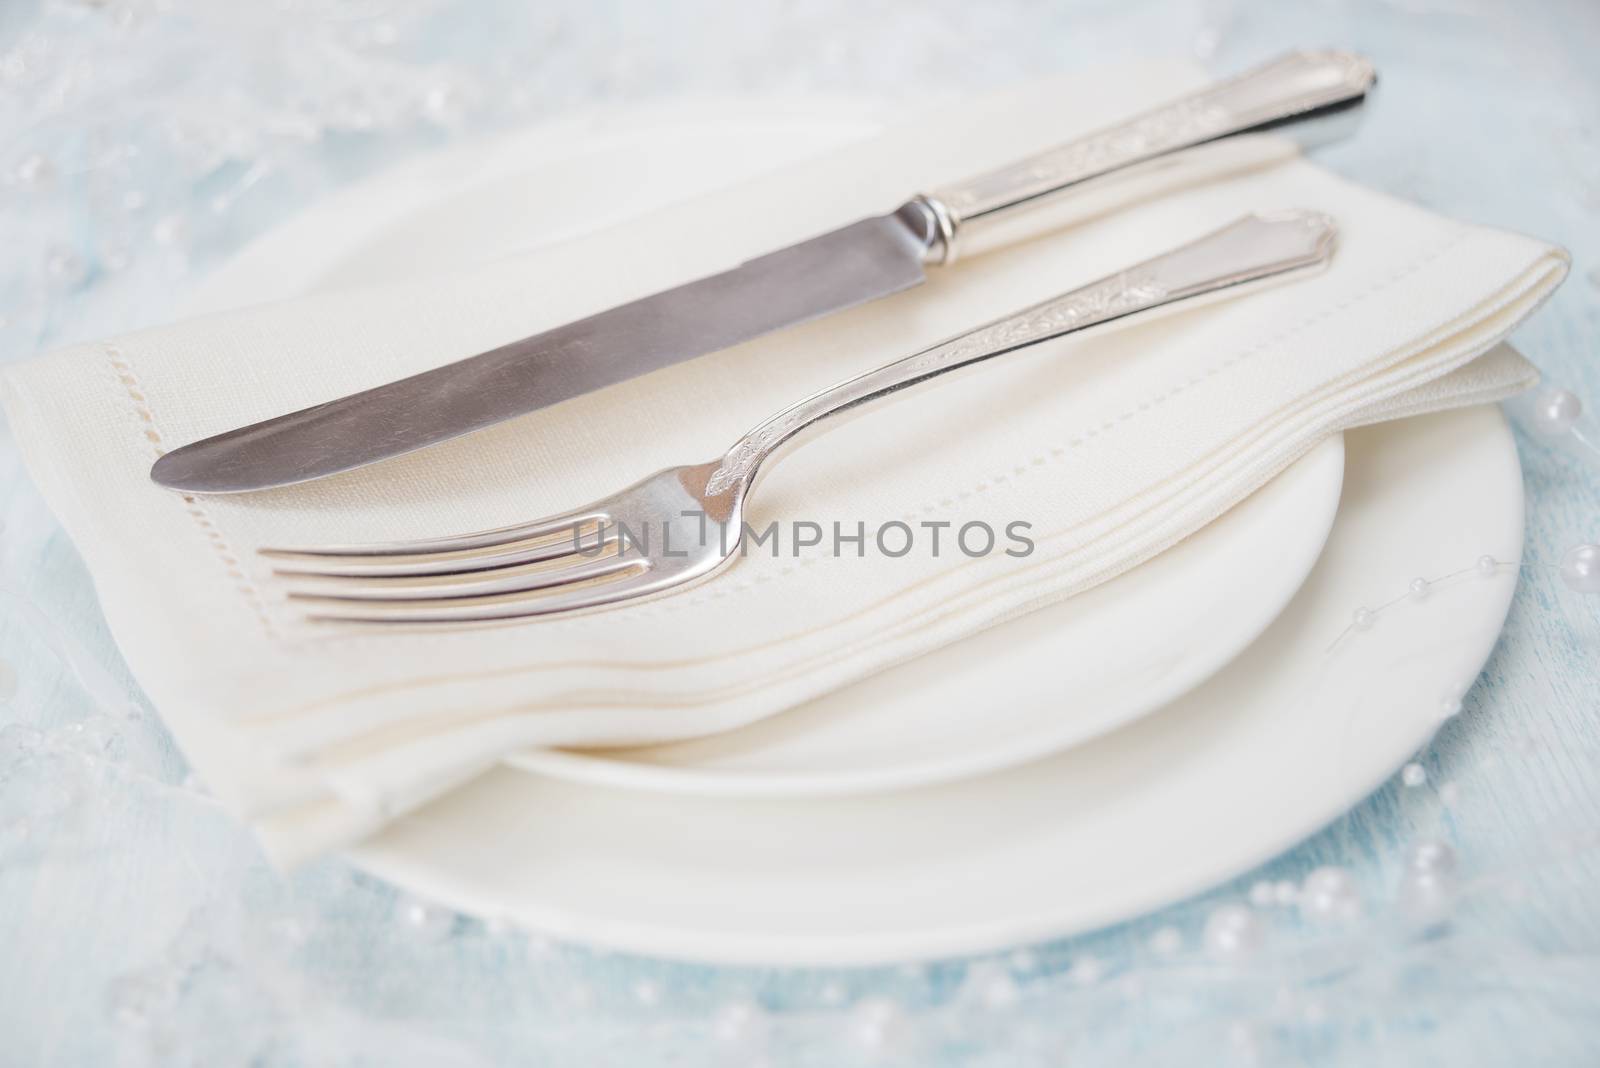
x=1295 y=85
x=1252 y=249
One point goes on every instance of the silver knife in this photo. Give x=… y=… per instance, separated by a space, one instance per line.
x=1202 y=135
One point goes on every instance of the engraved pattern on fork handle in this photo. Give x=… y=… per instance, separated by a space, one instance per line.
x=1256 y=248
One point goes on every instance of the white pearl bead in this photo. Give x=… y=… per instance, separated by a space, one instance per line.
x=647 y=992
x=1086 y=971
x=1431 y=856
x=427 y=920
x=1555 y=411
x=170 y=231
x=878 y=1024
x=1262 y=894
x=1245 y=1038
x=1426 y=896
x=1166 y=941
x=66 y=268
x=1449 y=707
x=1413 y=774
x=1362 y=618
x=1580 y=568
x=1286 y=892
x=135 y=1000
x=35 y=172
x=1330 y=894
x=439 y=104
x=1428 y=886
x=1232 y=932
x=1487 y=565
x=993 y=987
x=739 y=1022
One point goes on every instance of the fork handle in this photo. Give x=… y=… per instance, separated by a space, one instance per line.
x=1201 y=135
x=1253 y=249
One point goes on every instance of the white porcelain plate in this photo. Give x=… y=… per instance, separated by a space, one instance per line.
x=1286 y=737
x=1064 y=675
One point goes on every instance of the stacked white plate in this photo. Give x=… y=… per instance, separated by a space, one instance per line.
x=1131 y=746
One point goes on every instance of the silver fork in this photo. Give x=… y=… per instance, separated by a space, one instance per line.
x=684 y=523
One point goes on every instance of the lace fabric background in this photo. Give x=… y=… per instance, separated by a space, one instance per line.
x=1451 y=916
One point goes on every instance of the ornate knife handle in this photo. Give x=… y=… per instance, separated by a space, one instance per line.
x=1199 y=136
x=1252 y=250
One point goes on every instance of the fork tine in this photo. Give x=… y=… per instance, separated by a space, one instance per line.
x=516 y=579
x=568 y=597
x=482 y=539
x=377 y=561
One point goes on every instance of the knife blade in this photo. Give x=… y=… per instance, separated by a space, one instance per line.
x=1203 y=135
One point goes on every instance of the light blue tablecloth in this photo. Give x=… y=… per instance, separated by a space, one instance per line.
x=141 y=142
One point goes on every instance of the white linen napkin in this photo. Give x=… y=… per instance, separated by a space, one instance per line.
x=1111 y=446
